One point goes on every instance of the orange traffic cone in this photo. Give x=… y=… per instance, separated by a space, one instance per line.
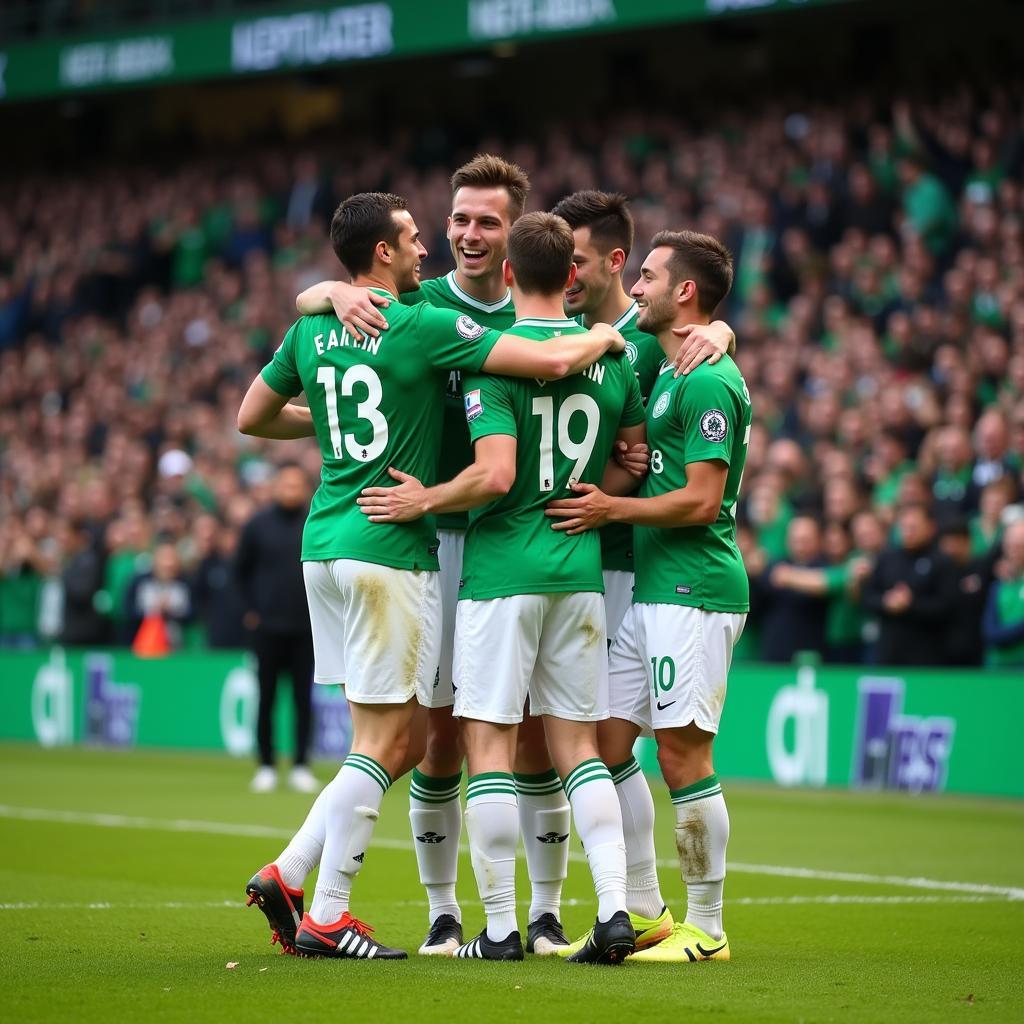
x=152 y=640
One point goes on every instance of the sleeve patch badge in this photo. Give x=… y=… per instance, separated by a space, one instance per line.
x=714 y=426
x=474 y=406
x=468 y=328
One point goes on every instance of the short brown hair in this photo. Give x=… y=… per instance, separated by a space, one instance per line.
x=605 y=213
x=359 y=223
x=540 y=247
x=488 y=171
x=702 y=259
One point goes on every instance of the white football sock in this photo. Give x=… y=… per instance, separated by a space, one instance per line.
x=544 y=824
x=350 y=816
x=493 y=826
x=643 y=893
x=595 y=810
x=303 y=853
x=702 y=834
x=436 y=817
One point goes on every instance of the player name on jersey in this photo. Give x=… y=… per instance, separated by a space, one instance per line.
x=345 y=340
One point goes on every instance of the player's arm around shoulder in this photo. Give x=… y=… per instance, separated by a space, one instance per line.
x=554 y=359
x=356 y=308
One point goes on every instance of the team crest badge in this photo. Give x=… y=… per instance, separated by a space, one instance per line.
x=468 y=328
x=631 y=353
x=661 y=405
x=714 y=426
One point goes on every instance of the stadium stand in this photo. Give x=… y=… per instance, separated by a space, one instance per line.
x=879 y=307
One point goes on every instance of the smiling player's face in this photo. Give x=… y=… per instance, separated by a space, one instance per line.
x=654 y=293
x=408 y=253
x=478 y=228
x=593 y=276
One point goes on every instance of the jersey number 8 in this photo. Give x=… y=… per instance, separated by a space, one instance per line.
x=368 y=411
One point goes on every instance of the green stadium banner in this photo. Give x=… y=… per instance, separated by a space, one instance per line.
x=801 y=725
x=189 y=701
x=319 y=33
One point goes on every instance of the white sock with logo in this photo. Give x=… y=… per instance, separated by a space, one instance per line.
x=436 y=818
x=351 y=814
x=492 y=822
x=544 y=824
x=702 y=834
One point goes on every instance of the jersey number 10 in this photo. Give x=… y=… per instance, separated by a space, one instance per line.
x=368 y=411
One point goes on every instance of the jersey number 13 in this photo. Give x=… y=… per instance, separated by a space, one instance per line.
x=368 y=411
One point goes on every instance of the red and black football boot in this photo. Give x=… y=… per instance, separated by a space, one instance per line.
x=281 y=905
x=345 y=939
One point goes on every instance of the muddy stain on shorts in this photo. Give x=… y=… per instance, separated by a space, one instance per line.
x=373 y=597
x=591 y=634
x=411 y=658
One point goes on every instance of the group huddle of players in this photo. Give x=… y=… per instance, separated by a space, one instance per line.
x=521 y=461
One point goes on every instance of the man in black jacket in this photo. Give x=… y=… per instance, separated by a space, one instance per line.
x=793 y=621
x=912 y=590
x=269 y=572
x=974 y=576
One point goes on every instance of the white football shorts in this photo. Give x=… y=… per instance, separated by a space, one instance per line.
x=551 y=648
x=449 y=555
x=668 y=666
x=618 y=596
x=376 y=629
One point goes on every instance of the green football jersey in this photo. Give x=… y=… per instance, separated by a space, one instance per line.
x=456 y=451
x=697 y=418
x=644 y=352
x=564 y=430
x=376 y=402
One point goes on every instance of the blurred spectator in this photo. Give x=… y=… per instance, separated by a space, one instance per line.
x=163 y=591
x=82 y=578
x=1004 y=613
x=219 y=603
x=964 y=645
x=991 y=443
x=987 y=526
x=953 y=489
x=23 y=565
x=269 y=572
x=794 y=615
x=912 y=591
x=879 y=307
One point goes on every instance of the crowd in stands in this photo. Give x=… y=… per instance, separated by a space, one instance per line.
x=878 y=305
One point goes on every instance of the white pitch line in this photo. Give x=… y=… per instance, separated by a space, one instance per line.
x=268 y=832
x=978 y=888
x=742 y=901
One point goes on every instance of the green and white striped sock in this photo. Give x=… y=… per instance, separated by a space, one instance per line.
x=544 y=824
x=435 y=814
x=595 y=810
x=492 y=822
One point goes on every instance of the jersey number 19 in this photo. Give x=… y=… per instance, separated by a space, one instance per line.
x=570 y=449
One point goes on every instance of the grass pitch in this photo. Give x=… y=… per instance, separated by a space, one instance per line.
x=121 y=899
